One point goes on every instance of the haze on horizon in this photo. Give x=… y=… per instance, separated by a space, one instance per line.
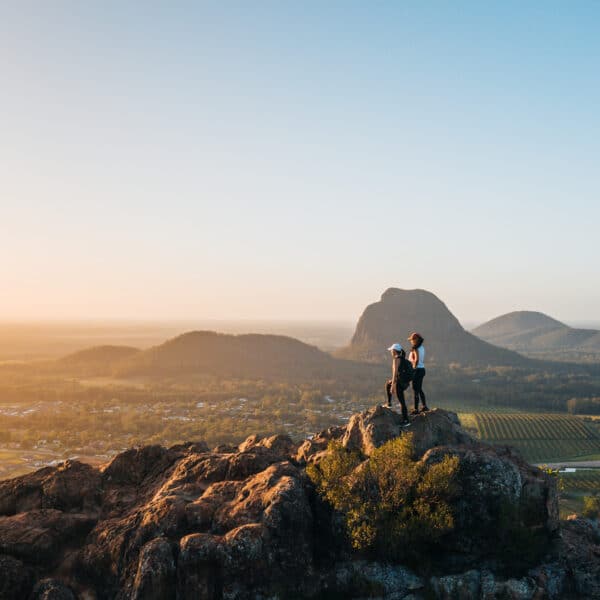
x=282 y=160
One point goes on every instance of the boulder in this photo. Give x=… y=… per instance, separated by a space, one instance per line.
x=498 y=494
x=282 y=445
x=366 y=579
x=52 y=589
x=464 y=586
x=16 y=579
x=372 y=428
x=40 y=536
x=155 y=576
x=72 y=486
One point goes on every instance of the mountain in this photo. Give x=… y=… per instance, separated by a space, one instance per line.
x=247 y=522
x=248 y=355
x=536 y=333
x=399 y=312
x=95 y=360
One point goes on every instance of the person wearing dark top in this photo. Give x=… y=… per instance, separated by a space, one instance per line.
x=395 y=384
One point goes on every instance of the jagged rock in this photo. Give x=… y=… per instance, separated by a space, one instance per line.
x=318 y=443
x=495 y=487
x=224 y=449
x=245 y=522
x=39 y=536
x=199 y=572
x=465 y=586
x=483 y=585
x=72 y=486
x=362 y=579
x=282 y=445
x=15 y=578
x=155 y=576
x=52 y=589
x=580 y=553
x=195 y=447
x=551 y=579
x=369 y=430
x=134 y=465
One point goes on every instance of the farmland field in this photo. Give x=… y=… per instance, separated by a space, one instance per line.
x=584 y=480
x=575 y=486
x=539 y=437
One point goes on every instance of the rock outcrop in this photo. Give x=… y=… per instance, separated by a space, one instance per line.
x=401 y=311
x=245 y=522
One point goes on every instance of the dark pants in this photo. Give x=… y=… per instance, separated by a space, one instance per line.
x=399 y=392
x=417 y=385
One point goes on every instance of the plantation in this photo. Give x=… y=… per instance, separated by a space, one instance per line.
x=583 y=481
x=540 y=437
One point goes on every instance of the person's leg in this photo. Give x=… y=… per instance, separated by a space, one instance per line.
x=388 y=392
x=400 y=394
x=417 y=382
x=422 y=393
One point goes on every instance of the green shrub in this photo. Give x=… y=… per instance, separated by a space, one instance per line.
x=394 y=505
x=591 y=506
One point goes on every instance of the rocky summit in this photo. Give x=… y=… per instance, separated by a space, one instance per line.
x=247 y=523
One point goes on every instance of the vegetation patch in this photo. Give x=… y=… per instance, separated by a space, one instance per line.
x=394 y=506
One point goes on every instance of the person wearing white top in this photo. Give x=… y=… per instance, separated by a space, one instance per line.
x=417 y=358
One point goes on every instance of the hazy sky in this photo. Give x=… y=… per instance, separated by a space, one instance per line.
x=294 y=159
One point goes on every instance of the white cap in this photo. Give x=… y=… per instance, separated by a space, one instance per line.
x=396 y=347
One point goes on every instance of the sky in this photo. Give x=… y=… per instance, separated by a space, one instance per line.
x=292 y=160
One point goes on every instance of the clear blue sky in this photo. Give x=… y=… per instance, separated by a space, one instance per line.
x=294 y=159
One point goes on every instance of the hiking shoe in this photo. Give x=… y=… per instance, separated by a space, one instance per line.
x=425 y=409
x=415 y=411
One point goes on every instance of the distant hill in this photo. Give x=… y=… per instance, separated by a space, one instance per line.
x=538 y=334
x=98 y=360
x=237 y=356
x=400 y=312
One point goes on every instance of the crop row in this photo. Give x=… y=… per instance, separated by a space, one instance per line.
x=506 y=427
x=587 y=480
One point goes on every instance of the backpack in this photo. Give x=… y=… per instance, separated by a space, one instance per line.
x=406 y=373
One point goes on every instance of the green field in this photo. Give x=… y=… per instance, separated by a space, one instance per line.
x=539 y=437
x=583 y=480
x=574 y=486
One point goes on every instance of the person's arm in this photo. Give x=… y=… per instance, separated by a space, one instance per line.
x=395 y=364
x=414 y=358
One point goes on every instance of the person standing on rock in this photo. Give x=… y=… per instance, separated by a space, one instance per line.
x=417 y=359
x=396 y=383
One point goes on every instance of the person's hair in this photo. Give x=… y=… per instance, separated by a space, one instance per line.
x=416 y=341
